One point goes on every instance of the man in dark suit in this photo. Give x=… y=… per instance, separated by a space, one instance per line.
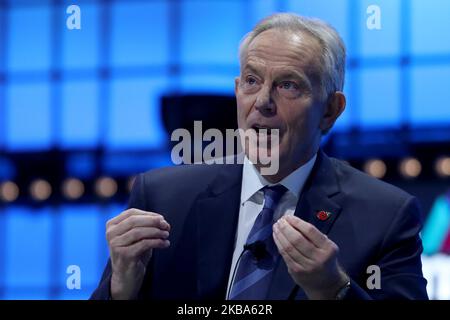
x=314 y=229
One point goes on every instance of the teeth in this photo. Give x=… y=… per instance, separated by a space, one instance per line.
x=258 y=129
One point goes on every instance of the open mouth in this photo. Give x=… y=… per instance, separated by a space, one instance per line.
x=262 y=129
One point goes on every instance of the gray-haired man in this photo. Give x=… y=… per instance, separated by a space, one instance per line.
x=311 y=230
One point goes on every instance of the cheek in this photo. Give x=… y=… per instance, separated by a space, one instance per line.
x=244 y=106
x=301 y=122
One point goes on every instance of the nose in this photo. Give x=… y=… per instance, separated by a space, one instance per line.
x=264 y=101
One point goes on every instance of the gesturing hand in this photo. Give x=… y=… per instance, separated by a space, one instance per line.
x=132 y=236
x=311 y=257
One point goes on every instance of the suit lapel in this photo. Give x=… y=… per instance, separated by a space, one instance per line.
x=316 y=196
x=217 y=212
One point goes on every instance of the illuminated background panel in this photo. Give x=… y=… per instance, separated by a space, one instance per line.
x=429 y=27
x=29 y=252
x=31 y=53
x=380 y=97
x=82 y=231
x=133 y=119
x=430 y=95
x=384 y=42
x=81 y=48
x=139 y=33
x=28 y=116
x=80 y=123
x=211 y=31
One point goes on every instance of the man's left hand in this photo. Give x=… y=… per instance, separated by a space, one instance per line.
x=311 y=257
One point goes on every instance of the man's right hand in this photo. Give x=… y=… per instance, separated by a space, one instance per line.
x=132 y=236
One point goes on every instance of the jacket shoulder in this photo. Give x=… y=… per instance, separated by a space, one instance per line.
x=360 y=185
x=170 y=186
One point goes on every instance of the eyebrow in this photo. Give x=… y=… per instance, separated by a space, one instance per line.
x=283 y=75
x=252 y=69
x=295 y=75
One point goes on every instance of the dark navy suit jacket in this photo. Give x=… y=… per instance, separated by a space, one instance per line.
x=372 y=222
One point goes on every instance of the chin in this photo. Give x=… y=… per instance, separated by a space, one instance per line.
x=252 y=154
x=261 y=155
x=262 y=152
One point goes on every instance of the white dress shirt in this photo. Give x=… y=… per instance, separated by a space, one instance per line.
x=252 y=201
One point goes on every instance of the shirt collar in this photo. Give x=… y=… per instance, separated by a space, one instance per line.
x=252 y=181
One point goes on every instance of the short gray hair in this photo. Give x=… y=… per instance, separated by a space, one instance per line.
x=333 y=49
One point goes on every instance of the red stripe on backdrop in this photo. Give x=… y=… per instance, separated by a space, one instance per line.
x=446 y=245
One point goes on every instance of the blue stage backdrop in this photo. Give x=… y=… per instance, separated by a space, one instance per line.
x=94 y=95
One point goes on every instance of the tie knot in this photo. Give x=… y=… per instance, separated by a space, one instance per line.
x=272 y=195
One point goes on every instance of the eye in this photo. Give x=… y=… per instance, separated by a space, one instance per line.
x=250 y=80
x=288 y=85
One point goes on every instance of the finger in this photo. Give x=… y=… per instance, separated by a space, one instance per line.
x=308 y=230
x=287 y=259
x=296 y=239
x=287 y=248
x=138 y=248
x=127 y=213
x=135 y=221
x=138 y=234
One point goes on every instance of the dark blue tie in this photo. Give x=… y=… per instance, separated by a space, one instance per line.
x=256 y=266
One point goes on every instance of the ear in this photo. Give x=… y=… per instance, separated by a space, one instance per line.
x=236 y=85
x=334 y=107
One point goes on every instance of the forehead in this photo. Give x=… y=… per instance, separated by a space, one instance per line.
x=277 y=49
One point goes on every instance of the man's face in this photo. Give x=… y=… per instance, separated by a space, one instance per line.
x=279 y=88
